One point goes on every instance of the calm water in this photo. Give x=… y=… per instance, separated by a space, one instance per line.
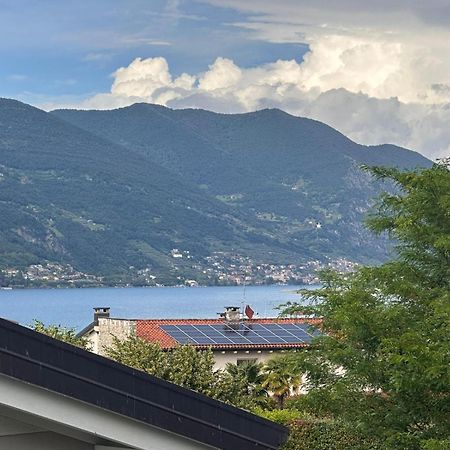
x=73 y=307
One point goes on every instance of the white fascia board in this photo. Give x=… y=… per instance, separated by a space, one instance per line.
x=59 y=412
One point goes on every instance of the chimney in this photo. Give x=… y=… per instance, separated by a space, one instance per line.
x=232 y=317
x=100 y=311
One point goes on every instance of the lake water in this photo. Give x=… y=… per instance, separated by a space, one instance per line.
x=73 y=307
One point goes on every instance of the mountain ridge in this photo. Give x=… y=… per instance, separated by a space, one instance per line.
x=269 y=163
x=104 y=191
x=63 y=192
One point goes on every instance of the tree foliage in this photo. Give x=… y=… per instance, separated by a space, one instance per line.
x=68 y=335
x=192 y=369
x=139 y=354
x=249 y=385
x=383 y=363
x=246 y=385
x=281 y=378
x=183 y=365
x=327 y=434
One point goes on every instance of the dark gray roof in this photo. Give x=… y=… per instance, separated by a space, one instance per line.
x=62 y=368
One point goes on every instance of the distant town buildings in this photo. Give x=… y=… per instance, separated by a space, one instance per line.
x=51 y=274
x=217 y=269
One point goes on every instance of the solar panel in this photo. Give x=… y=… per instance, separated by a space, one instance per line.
x=245 y=333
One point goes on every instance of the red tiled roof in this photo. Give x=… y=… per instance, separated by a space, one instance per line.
x=151 y=330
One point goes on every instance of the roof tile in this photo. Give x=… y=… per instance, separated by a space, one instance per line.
x=151 y=330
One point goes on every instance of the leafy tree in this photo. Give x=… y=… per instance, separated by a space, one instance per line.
x=192 y=368
x=383 y=362
x=68 y=335
x=183 y=365
x=139 y=354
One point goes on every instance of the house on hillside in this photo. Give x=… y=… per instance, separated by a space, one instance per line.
x=232 y=337
x=55 y=396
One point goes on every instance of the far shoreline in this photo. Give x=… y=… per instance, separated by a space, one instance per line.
x=180 y=286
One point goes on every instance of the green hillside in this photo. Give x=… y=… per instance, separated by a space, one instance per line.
x=289 y=173
x=109 y=192
x=71 y=197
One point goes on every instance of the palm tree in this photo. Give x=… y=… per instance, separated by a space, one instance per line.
x=281 y=379
x=247 y=379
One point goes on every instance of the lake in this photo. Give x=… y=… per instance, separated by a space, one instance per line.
x=73 y=307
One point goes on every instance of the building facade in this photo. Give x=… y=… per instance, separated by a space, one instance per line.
x=233 y=338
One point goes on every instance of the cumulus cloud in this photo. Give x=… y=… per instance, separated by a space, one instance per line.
x=365 y=113
x=375 y=76
x=378 y=72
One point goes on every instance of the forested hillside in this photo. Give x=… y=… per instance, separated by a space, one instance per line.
x=112 y=191
x=290 y=173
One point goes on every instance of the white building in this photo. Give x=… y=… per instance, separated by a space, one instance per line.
x=232 y=338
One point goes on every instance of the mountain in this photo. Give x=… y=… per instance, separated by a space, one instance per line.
x=71 y=197
x=109 y=192
x=289 y=173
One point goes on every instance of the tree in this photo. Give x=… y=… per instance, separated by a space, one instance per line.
x=139 y=354
x=281 y=378
x=383 y=362
x=68 y=335
x=183 y=365
x=241 y=386
x=246 y=388
x=193 y=369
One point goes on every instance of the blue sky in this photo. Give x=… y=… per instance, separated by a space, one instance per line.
x=55 y=48
x=376 y=71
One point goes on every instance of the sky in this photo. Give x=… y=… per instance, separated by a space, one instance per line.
x=377 y=71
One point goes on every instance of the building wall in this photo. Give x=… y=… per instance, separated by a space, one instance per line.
x=93 y=338
x=108 y=328
x=221 y=358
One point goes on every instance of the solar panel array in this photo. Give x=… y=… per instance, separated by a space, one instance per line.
x=253 y=334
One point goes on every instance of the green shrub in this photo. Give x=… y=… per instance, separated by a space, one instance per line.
x=313 y=434
x=283 y=416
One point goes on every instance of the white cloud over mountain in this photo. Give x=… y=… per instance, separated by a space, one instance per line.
x=378 y=74
x=362 y=110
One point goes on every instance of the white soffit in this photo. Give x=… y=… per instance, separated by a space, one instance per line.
x=46 y=410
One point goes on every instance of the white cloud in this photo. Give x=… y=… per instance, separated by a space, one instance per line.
x=141 y=78
x=378 y=73
x=383 y=49
x=299 y=88
x=222 y=74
